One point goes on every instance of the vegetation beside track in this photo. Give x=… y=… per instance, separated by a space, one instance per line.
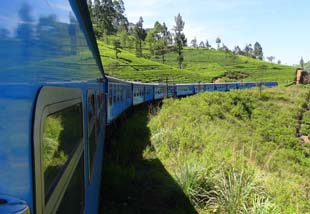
x=235 y=152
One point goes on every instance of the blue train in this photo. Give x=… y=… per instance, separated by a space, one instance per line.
x=124 y=94
x=55 y=102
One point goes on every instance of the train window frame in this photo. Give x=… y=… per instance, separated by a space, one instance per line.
x=92 y=129
x=53 y=99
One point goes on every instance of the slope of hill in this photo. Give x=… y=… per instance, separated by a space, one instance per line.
x=200 y=65
x=237 y=152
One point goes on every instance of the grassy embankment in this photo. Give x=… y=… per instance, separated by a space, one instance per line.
x=231 y=152
x=201 y=65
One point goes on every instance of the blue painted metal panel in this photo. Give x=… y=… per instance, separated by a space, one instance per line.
x=171 y=91
x=17 y=105
x=209 y=87
x=138 y=93
x=160 y=91
x=182 y=90
x=149 y=92
x=220 y=86
x=43 y=41
x=231 y=86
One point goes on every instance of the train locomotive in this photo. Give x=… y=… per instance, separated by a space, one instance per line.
x=55 y=103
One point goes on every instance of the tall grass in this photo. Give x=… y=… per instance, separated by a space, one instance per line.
x=236 y=152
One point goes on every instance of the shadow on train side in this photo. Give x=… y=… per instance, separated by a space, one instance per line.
x=134 y=179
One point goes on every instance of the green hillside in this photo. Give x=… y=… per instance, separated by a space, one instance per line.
x=237 y=152
x=200 y=65
x=234 y=152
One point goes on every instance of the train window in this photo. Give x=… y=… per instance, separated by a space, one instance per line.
x=58 y=144
x=62 y=132
x=73 y=200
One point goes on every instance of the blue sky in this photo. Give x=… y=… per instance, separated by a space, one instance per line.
x=280 y=26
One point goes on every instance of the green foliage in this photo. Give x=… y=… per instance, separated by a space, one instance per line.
x=180 y=39
x=201 y=65
x=108 y=16
x=236 y=152
x=306 y=118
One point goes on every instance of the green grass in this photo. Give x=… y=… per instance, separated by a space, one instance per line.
x=236 y=152
x=233 y=152
x=200 y=65
x=134 y=179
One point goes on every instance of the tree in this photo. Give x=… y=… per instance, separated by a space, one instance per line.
x=218 y=42
x=237 y=50
x=279 y=62
x=258 y=51
x=302 y=62
x=90 y=7
x=270 y=58
x=194 y=43
x=248 y=50
x=225 y=48
x=117 y=46
x=140 y=36
x=202 y=44
x=179 y=38
x=208 y=45
x=108 y=16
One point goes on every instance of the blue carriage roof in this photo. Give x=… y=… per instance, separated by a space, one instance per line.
x=44 y=41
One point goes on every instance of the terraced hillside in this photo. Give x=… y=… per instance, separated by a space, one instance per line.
x=200 y=65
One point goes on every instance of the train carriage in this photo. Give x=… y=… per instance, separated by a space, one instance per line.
x=209 y=87
x=184 y=89
x=198 y=88
x=138 y=93
x=171 y=91
x=220 y=86
x=53 y=108
x=149 y=92
x=119 y=97
x=160 y=91
x=231 y=86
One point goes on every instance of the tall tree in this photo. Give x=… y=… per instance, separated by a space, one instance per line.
x=194 y=43
x=202 y=44
x=237 y=50
x=218 y=42
x=90 y=7
x=117 y=46
x=208 y=44
x=248 y=50
x=108 y=16
x=302 y=62
x=258 y=51
x=140 y=35
x=179 y=38
x=270 y=58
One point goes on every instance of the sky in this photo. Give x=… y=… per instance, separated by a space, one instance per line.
x=280 y=26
